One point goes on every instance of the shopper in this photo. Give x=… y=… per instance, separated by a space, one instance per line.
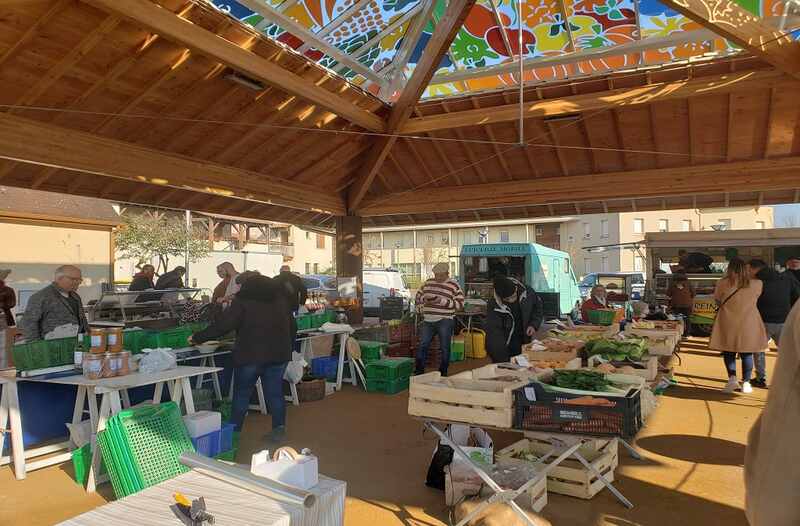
x=439 y=299
x=681 y=300
x=294 y=287
x=7 y=302
x=143 y=280
x=172 y=279
x=793 y=267
x=771 y=467
x=227 y=288
x=738 y=327
x=265 y=328
x=55 y=305
x=512 y=318
x=781 y=291
x=595 y=301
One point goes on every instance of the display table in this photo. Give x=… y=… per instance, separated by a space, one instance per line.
x=112 y=391
x=306 y=336
x=11 y=424
x=230 y=505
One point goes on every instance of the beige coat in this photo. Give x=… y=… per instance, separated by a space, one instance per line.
x=772 y=460
x=738 y=326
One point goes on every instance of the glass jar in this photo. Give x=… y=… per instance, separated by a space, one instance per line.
x=93 y=365
x=97 y=339
x=114 y=339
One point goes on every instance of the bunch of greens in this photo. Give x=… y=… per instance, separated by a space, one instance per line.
x=617 y=350
x=581 y=380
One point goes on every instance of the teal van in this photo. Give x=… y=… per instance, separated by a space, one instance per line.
x=548 y=271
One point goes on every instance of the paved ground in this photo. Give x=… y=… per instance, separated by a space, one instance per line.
x=692 y=472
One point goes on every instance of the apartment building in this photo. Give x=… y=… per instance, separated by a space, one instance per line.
x=313 y=251
x=612 y=229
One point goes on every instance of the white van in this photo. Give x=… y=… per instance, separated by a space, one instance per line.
x=380 y=283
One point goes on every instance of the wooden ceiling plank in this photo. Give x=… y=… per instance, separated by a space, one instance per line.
x=612 y=98
x=473 y=160
x=762 y=175
x=34 y=29
x=496 y=147
x=176 y=29
x=731 y=21
x=560 y=154
x=38 y=143
x=782 y=123
x=443 y=35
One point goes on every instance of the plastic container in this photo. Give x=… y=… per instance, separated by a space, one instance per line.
x=474 y=343
x=97 y=340
x=228 y=456
x=319 y=319
x=216 y=442
x=304 y=321
x=176 y=338
x=202 y=423
x=602 y=317
x=81 y=460
x=390 y=368
x=114 y=339
x=375 y=385
x=457 y=349
x=325 y=367
x=371 y=350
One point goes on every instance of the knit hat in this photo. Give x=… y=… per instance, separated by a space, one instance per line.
x=504 y=287
x=441 y=268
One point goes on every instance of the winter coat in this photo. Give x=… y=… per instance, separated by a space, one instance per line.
x=781 y=291
x=262 y=318
x=141 y=282
x=294 y=287
x=738 y=326
x=590 y=304
x=48 y=309
x=772 y=459
x=169 y=280
x=500 y=323
x=8 y=300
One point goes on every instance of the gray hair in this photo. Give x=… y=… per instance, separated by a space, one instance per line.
x=63 y=269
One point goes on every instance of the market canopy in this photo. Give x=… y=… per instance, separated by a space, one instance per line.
x=403 y=111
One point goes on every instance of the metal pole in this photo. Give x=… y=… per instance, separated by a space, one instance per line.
x=521 y=83
x=188 y=234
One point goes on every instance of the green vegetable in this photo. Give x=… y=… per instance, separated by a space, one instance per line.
x=581 y=380
x=617 y=350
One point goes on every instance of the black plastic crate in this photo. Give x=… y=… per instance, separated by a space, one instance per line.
x=549 y=413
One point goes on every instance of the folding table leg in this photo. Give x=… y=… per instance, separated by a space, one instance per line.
x=4 y=429
x=602 y=479
x=10 y=420
x=215 y=379
x=158 y=392
x=126 y=399
x=295 y=398
x=186 y=385
x=262 y=402
x=176 y=391
x=633 y=453
x=80 y=401
x=102 y=417
x=201 y=377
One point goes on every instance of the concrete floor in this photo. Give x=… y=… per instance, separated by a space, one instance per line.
x=692 y=473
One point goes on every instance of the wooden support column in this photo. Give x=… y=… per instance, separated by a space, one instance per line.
x=350 y=259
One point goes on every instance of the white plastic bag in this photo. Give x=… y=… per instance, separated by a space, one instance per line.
x=294 y=371
x=156 y=361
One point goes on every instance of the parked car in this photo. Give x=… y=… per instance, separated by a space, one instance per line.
x=380 y=283
x=321 y=283
x=614 y=280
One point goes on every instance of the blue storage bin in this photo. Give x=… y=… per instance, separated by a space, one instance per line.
x=325 y=367
x=216 y=442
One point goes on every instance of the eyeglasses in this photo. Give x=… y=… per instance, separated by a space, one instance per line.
x=74 y=280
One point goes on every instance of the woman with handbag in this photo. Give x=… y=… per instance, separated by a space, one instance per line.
x=738 y=328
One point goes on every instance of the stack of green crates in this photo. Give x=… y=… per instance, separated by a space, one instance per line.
x=142 y=447
x=371 y=351
x=304 y=321
x=175 y=338
x=389 y=375
x=44 y=353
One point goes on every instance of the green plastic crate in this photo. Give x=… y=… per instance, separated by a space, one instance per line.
x=387 y=386
x=224 y=408
x=601 y=317
x=176 y=338
x=22 y=356
x=136 y=340
x=318 y=320
x=229 y=456
x=371 y=351
x=81 y=461
x=390 y=368
x=304 y=321
x=457 y=350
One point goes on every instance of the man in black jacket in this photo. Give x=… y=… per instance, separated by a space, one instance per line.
x=781 y=290
x=172 y=279
x=143 y=280
x=294 y=287
x=512 y=318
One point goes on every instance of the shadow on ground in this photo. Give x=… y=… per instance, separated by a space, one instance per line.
x=695 y=449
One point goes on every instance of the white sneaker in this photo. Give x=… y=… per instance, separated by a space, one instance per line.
x=733 y=385
x=747 y=388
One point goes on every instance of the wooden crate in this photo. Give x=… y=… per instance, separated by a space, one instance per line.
x=493 y=370
x=564 y=360
x=659 y=342
x=535 y=499
x=461 y=399
x=571 y=477
x=649 y=370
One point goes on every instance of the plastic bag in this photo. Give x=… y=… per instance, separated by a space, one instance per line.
x=294 y=371
x=156 y=361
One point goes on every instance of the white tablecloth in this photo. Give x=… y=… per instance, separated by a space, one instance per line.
x=229 y=504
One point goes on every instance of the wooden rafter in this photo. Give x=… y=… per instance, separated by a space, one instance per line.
x=334 y=24
x=44 y=144
x=443 y=35
x=763 y=175
x=409 y=43
x=718 y=84
x=176 y=29
x=731 y=21
x=560 y=154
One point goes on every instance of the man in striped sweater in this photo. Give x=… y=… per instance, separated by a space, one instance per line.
x=439 y=299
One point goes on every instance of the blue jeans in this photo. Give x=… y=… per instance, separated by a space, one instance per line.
x=444 y=328
x=747 y=364
x=774 y=332
x=271 y=383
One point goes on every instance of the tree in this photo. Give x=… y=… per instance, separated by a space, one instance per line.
x=143 y=237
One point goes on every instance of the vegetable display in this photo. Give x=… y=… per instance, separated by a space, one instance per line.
x=582 y=380
x=617 y=350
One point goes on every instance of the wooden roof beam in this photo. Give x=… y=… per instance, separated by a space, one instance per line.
x=727 y=19
x=615 y=98
x=172 y=27
x=762 y=175
x=443 y=35
x=34 y=142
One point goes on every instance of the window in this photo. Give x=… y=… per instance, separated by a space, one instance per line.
x=587 y=266
x=310 y=283
x=566 y=266
x=539 y=230
x=320 y=241
x=760 y=225
x=638 y=226
x=308 y=268
x=587 y=231
x=663 y=225
x=604 y=228
x=686 y=225
x=504 y=236
x=638 y=263
x=726 y=224
x=604 y=264
x=316 y=268
x=308 y=235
